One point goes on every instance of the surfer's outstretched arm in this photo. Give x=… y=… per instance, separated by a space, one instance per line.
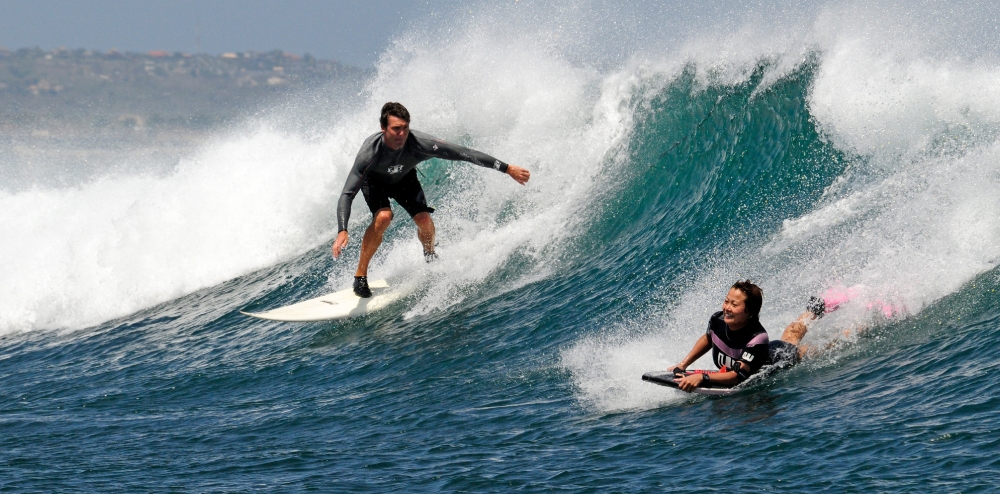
x=431 y=147
x=520 y=175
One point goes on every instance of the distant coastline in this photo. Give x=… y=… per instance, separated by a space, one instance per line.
x=44 y=92
x=72 y=115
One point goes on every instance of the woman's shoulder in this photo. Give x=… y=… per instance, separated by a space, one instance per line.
x=715 y=320
x=757 y=328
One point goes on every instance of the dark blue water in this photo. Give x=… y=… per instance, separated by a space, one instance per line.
x=514 y=363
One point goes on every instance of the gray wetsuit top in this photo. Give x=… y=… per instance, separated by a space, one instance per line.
x=379 y=162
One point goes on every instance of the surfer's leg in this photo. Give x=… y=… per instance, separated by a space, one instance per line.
x=410 y=195
x=425 y=232
x=788 y=351
x=783 y=353
x=794 y=332
x=373 y=239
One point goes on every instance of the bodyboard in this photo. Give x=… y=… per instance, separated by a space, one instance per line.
x=338 y=305
x=667 y=379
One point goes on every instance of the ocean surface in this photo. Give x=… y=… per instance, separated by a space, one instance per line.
x=843 y=145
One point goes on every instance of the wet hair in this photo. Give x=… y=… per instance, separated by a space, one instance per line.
x=755 y=297
x=393 y=109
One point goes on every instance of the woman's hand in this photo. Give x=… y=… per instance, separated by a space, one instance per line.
x=688 y=383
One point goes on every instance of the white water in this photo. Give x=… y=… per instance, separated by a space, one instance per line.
x=107 y=248
x=917 y=98
x=895 y=85
x=82 y=255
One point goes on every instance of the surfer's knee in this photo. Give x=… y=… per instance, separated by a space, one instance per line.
x=423 y=220
x=382 y=219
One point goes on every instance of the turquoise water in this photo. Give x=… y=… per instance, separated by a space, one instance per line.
x=515 y=362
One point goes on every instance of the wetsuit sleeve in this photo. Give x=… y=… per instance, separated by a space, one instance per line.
x=366 y=156
x=756 y=356
x=432 y=147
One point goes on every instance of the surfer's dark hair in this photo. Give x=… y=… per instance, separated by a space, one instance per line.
x=755 y=297
x=393 y=109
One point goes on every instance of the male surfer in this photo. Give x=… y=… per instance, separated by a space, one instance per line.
x=386 y=168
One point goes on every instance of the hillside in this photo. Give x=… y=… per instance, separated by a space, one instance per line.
x=71 y=115
x=43 y=91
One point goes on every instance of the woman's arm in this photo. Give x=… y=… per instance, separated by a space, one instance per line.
x=700 y=347
x=688 y=383
x=725 y=379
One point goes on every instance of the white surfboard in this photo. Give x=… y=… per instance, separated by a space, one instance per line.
x=337 y=305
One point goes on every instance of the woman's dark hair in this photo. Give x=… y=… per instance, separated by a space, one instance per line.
x=394 y=109
x=755 y=297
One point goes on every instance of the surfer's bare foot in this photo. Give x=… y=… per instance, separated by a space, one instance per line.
x=430 y=257
x=361 y=287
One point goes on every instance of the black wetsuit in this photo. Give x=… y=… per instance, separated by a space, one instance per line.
x=748 y=345
x=383 y=172
x=783 y=354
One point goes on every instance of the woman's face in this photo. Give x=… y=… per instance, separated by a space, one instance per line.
x=734 y=309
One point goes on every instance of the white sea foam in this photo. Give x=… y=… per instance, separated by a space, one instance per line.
x=911 y=222
x=86 y=254
x=523 y=104
x=910 y=90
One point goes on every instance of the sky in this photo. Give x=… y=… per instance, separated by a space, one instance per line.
x=357 y=32
x=352 y=32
